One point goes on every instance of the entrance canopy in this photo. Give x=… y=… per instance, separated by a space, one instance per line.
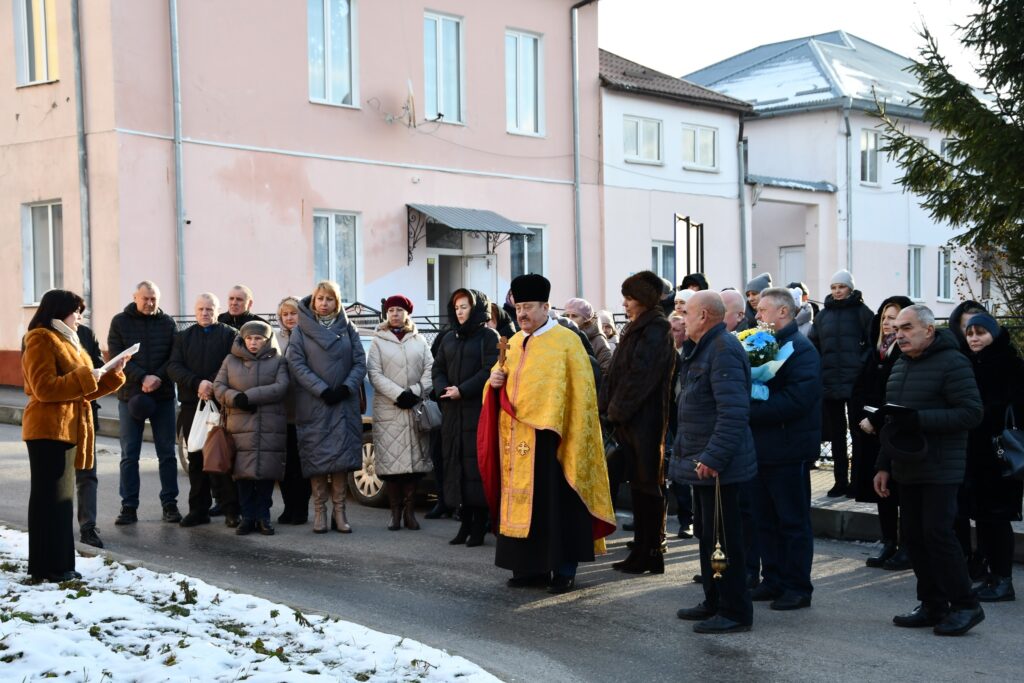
x=477 y=222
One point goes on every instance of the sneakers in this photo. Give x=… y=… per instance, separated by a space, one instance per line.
x=127 y=516
x=171 y=514
x=91 y=536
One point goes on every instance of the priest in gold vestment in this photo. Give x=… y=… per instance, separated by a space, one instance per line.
x=540 y=450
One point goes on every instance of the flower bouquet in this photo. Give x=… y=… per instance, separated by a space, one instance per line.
x=765 y=355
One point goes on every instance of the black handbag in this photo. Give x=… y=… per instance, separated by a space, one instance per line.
x=1009 y=447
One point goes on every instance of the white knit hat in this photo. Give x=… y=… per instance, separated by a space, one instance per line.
x=842 y=277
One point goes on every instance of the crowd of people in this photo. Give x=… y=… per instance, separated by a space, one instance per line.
x=543 y=415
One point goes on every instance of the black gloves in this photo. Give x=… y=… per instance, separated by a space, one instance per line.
x=407 y=400
x=335 y=396
x=242 y=403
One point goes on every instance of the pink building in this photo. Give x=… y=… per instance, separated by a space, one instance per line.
x=309 y=135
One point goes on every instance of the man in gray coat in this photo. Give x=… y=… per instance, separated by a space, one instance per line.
x=924 y=448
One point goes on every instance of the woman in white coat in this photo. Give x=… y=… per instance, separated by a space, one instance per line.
x=399 y=365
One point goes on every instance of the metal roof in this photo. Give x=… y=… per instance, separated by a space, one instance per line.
x=618 y=73
x=791 y=183
x=470 y=220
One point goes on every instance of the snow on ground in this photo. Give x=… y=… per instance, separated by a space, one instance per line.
x=121 y=623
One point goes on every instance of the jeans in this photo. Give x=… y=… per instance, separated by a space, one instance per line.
x=254 y=498
x=684 y=503
x=162 y=422
x=727 y=596
x=783 y=521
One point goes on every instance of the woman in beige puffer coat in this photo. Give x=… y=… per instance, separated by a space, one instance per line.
x=399 y=365
x=251 y=384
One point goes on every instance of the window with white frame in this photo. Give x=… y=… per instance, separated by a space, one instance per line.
x=442 y=67
x=335 y=250
x=42 y=249
x=663 y=259
x=331 y=51
x=35 y=41
x=946 y=148
x=528 y=253
x=869 y=156
x=700 y=147
x=945 y=284
x=914 y=272
x=641 y=139
x=522 y=83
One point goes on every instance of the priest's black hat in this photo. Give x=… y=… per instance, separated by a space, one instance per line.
x=530 y=287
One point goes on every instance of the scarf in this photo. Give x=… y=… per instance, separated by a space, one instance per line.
x=885 y=346
x=66 y=332
x=326 y=320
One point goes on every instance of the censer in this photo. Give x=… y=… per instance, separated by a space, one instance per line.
x=719 y=560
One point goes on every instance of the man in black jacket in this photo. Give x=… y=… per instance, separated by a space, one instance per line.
x=936 y=383
x=787 y=430
x=239 y=308
x=147 y=394
x=196 y=356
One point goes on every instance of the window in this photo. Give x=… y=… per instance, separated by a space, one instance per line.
x=331 y=51
x=528 y=252
x=700 y=147
x=945 y=285
x=641 y=140
x=522 y=83
x=442 y=67
x=42 y=250
x=946 y=149
x=914 y=272
x=35 y=41
x=663 y=260
x=334 y=251
x=868 y=156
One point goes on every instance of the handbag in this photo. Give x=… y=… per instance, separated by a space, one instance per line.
x=219 y=452
x=206 y=418
x=1009 y=447
x=427 y=415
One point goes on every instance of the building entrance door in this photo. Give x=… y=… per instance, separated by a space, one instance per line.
x=791 y=265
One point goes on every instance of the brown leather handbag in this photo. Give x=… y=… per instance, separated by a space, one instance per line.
x=219 y=452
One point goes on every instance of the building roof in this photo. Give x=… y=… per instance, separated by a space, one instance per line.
x=618 y=73
x=470 y=220
x=791 y=183
x=818 y=71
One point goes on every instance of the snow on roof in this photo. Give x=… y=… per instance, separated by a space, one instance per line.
x=791 y=184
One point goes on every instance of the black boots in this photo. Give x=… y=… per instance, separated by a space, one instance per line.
x=394 y=490
x=473 y=527
x=888 y=550
x=646 y=554
x=463 y=533
x=409 y=506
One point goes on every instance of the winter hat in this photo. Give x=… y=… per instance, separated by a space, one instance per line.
x=698 y=280
x=141 y=407
x=759 y=283
x=798 y=285
x=797 y=295
x=644 y=287
x=580 y=307
x=256 y=327
x=842 y=277
x=985 y=322
x=666 y=288
x=684 y=294
x=398 y=301
x=530 y=287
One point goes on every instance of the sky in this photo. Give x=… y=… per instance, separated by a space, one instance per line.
x=681 y=36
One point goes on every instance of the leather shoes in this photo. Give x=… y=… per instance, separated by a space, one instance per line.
x=698 y=578
x=127 y=516
x=231 y=521
x=685 y=532
x=899 y=562
x=171 y=514
x=959 y=622
x=265 y=527
x=837 y=491
x=790 y=601
x=245 y=527
x=530 y=581
x=876 y=562
x=61 y=578
x=720 y=624
x=91 y=537
x=438 y=511
x=1000 y=589
x=919 y=617
x=699 y=613
x=192 y=519
x=764 y=593
x=561 y=584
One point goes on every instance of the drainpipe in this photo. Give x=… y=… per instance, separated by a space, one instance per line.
x=577 y=229
x=179 y=199
x=83 y=157
x=849 y=184
x=741 y=181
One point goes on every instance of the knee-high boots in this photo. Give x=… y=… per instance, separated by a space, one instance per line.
x=409 y=505
x=318 y=484
x=394 y=490
x=339 y=490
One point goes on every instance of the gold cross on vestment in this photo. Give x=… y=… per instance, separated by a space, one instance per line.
x=523 y=448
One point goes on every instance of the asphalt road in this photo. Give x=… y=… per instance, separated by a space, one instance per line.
x=613 y=628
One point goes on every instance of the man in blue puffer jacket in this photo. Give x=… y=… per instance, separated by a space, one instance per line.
x=714 y=441
x=787 y=430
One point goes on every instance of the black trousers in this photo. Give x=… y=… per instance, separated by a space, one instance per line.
x=203 y=486
x=927 y=513
x=995 y=540
x=783 y=520
x=728 y=596
x=51 y=500
x=889 y=514
x=836 y=412
x=295 y=489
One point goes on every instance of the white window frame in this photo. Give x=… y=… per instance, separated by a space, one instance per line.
x=639 y=121
x=944 y=149
x=538 y=94
x=439 y=33
x=353 y=56
x=944 y=279
x=541 y=233
x=866 y=136
x=697 y=163
x=47 y=72
x=28 y=247
x=915 y=259
x=332 y=250
x=658 y=247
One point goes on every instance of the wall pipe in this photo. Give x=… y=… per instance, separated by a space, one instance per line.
x=741 y=184
x=849 y=185
x=577 y=220
x=179 y=193
x=83 y=156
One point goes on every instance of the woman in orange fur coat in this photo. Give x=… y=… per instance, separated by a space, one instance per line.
x=57 y=428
